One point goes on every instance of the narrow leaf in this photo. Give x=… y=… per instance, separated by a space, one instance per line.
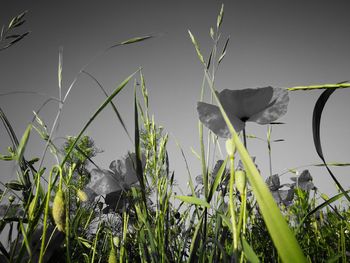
x=23 y=143
x=193 y=200
x=99 y=110
x=316 y=121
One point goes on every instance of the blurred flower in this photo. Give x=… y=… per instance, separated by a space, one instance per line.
x=304 y=181
x=121 y=176
x=260 y=105
x=280 y=196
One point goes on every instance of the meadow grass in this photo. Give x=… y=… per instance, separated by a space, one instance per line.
x=130 y=211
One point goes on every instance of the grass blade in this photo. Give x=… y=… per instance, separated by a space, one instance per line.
x=193 y=200
x=99 y=110
x=316 y=121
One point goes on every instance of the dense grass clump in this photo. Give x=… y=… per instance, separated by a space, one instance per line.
x=77 y=211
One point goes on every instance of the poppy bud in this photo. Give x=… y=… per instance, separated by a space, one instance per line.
x=230 y=147
x=11 y=198
x=82 y=195
x=240 y=180
x=59 y=210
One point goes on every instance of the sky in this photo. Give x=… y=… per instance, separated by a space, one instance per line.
x=272 y=43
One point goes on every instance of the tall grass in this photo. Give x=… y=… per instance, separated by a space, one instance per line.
x=130 y=212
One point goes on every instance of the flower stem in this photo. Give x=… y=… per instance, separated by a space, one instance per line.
x=245 y=139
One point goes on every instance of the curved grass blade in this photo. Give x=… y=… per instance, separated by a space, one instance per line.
x=99 y=110
x=283 y=238
x=316 y=121
x=112 y=104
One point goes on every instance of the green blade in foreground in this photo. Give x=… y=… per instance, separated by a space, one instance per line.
x=283 y=238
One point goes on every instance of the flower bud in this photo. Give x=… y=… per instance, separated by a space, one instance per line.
x=240 y=180
x=59 y=210
x=230 y=147
x=82 y=196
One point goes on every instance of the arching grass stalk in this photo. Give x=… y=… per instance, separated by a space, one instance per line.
x=46 y=213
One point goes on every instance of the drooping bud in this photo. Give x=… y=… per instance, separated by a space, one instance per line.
x=59 y=210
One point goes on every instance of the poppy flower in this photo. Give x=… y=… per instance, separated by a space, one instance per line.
x=260 y=105
x=120 y=176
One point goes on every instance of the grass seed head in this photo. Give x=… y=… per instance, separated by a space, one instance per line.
x=82 y=195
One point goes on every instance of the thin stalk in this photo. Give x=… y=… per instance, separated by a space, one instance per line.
x=46 y=214
x=232 y=207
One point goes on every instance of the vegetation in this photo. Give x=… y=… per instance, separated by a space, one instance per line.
x=130 y=212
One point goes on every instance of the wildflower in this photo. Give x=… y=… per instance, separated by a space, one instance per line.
x=121 y=176
x=280 y=196
x=304 y=181
x=59 y=210
x=261 y=105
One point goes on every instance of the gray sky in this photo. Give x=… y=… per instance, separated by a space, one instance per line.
x=277 y=43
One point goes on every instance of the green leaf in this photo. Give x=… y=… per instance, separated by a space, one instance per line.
x=23 y=143
x=249 y=252
x=193 y=200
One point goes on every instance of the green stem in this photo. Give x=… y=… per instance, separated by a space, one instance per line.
x=232 y=207
x=46 y=214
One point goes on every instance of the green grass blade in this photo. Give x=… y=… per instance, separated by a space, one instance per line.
x=23 y=143
x=249 y=252
x=99 y=110
x=193 y=200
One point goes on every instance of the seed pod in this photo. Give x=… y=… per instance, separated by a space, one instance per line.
x=112 y=258
x=59 y=210
x=240 y=180
x=230 y=147
x=82 y=195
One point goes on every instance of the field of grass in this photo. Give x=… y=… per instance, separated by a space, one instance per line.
x=77 y=211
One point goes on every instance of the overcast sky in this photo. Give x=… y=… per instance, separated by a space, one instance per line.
x=273 y=43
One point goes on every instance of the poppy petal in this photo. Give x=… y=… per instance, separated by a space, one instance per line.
x=246 y=102
x=211 y=117
x=276 y=108
x=103 y=182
